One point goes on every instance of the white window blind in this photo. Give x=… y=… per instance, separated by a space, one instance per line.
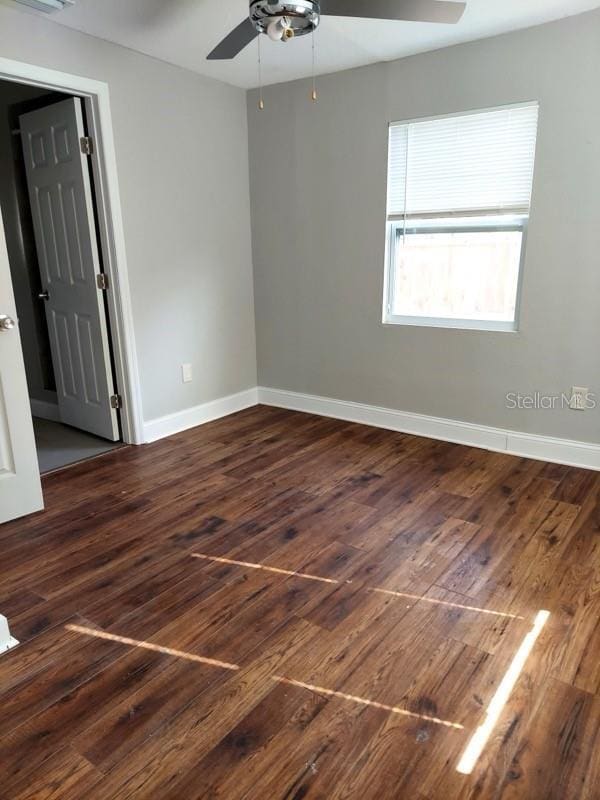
x=478 y=163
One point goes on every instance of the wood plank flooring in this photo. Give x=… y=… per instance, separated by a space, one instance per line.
x=277 y=605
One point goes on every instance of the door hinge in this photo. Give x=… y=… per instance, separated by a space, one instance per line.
x=116 y=401
x=87 y=145
x=102 y=281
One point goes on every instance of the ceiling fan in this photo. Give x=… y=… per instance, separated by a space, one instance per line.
x=283 y=21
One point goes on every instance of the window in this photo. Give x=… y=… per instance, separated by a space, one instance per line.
x=459 y=191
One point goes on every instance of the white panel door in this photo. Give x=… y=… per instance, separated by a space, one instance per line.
x=63 y=219
x=20 y=487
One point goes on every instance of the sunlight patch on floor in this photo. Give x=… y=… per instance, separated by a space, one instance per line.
x=112 y=637
x=277 y=570
x=307 y=576
x=169 y=651
x=477 y=742
x=374 y=704
x=481 y=736
x=435 y=601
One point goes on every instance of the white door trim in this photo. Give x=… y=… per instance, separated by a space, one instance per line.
x=97 y=104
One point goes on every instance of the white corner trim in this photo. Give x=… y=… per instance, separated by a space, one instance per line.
x=7 y=642
x=44 y=410
x=191 y=417
x=542 y=448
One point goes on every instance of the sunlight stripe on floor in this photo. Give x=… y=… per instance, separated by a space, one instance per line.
x=276 y=570
x=481 y=736
x=365 y=702
x=435 y=601
x=157 y=648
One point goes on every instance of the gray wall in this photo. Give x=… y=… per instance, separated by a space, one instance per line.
x=20 y=242
x=182 y=157
x=318 y=189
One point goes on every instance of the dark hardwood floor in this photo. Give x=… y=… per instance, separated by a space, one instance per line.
x=277 y=605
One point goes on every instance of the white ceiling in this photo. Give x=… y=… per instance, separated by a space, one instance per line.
x=182 y=32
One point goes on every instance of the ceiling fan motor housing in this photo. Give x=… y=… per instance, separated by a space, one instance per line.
x=301 y=17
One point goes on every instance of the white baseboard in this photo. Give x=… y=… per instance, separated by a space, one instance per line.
x=7 y=642
x=44 y=410
x=191 y=417
x=542 y=448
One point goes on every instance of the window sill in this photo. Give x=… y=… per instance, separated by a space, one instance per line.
x=489 y=326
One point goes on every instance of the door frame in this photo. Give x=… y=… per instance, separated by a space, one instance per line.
x=96 y=98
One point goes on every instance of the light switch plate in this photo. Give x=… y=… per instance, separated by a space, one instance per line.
x=186 y=373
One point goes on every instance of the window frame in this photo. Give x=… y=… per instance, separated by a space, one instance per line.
x=406 y=223
x=395 y=229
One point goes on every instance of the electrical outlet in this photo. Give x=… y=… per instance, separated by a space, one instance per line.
x=579 y=398
x=186 y=373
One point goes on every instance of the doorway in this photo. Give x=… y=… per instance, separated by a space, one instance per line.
x=50 y=226
x=20 y=487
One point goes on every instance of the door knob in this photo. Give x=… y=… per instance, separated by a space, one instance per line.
x=6 y=323
x=44 y=295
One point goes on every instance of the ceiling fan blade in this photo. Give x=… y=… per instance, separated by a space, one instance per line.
x=409 y=10
x=235 y=42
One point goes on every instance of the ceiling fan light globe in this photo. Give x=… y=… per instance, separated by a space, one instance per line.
x=275 y=30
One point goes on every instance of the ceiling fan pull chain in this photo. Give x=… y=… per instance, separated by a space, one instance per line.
x=261 y=102
x=314 y=95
